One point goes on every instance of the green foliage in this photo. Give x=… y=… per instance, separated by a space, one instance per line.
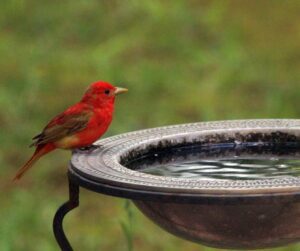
x=127 y=225
x=183 y=61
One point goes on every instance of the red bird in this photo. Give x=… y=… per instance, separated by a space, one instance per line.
x=78 y=126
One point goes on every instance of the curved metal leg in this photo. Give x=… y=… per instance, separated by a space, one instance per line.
x=58 y=230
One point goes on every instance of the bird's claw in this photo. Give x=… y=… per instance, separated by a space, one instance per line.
x=87 y=149
x=90 y=147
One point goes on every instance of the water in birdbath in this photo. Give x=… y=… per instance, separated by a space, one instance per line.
x=222 y=161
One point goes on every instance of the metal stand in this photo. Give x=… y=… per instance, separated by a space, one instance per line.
x=58 y=230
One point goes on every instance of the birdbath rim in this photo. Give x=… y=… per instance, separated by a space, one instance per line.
x=103 y=167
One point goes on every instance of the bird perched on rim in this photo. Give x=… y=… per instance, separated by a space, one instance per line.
x=78 y=126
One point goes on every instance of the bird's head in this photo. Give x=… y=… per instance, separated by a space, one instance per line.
x=102 y=93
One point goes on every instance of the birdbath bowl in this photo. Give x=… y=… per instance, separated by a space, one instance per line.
x=233 y=211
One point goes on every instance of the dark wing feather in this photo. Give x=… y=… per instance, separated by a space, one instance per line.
x=61 y=126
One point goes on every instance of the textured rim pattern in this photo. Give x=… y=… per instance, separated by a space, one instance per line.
x=103 y=164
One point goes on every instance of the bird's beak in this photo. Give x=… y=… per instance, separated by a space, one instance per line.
x=120 y=90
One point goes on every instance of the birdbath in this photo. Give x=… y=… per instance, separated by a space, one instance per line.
x=225 y=203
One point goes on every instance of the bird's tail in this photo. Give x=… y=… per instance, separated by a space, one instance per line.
x=39 y=152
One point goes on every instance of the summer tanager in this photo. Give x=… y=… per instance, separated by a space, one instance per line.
x=78 y=126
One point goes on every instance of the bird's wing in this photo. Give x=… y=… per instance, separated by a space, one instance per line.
x=63 y=125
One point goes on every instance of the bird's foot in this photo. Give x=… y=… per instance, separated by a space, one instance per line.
x=90 y=147
x=87 y=149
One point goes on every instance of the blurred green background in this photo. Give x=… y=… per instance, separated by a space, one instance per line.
x=183 y=61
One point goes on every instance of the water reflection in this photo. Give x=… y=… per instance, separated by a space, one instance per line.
x=222 y=162
x=232 y=168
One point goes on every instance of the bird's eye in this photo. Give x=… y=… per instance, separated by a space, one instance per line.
x=107 y=92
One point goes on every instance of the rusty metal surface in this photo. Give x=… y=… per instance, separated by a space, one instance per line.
x=228 y=226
